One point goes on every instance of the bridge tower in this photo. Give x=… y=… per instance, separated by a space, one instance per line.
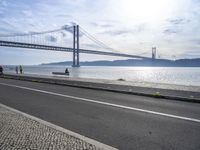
x=76 y=46
x=153 y=53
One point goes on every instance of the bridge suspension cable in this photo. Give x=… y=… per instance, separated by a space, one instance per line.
x=35 y=33
x=98 y=42
x=101 y=44
x=57 y=40
x=51 y=33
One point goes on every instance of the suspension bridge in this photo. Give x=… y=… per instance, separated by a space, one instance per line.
x=57 y=40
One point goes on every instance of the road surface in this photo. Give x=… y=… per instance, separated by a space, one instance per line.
x=123 y=121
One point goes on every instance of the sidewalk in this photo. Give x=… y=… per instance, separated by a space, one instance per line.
x=157 y=90
x=22 y=131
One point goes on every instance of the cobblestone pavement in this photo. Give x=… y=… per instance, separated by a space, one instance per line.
x=20 y=132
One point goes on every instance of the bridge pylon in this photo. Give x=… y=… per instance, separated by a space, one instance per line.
x=153 y=53
x=76 y=46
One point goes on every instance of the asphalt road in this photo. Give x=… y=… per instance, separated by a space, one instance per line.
x=123 y=121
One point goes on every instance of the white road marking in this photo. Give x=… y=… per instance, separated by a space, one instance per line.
x=106 y=103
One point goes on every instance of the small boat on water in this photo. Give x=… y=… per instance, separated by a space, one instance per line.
x=61 y=73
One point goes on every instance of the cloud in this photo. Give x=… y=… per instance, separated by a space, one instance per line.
x=108 y=21
x=6 y=24
x=196 y=41
x=51 y=38
x=116 y=33
x=102 y=24
x=136 y=29
x=179 y=21
x=6 y=27
x=27 y=13
x=176 y=25
x=170 y=31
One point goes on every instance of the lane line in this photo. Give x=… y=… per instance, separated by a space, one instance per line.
x=105 y=103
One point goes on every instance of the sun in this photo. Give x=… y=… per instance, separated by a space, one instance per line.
x=144 y=10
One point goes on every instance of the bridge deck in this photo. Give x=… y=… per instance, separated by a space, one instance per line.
x=64 y=49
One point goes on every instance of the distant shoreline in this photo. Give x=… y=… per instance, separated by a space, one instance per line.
x=137 y=63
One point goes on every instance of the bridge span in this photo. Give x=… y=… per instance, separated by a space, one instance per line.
x=65 y=49
x=75 y=50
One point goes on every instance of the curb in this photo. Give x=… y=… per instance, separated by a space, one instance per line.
x=71 y=84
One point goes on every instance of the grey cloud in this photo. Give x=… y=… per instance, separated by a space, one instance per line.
x=70 y=29
x=51 y=38
x=175 y=25
x=27 y=13
x=67 y=27
x=170 y=31
x=134 y=30
x=196 y=41
x=102 y=25
x=6 y=23
x=105 y=23
x=117 y=32
x=32 y=24
x=63 y=15
x=178 y=21
x=7 y=27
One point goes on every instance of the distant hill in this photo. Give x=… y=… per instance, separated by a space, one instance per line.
x=136 y=62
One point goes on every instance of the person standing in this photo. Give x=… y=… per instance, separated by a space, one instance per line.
x=16 y=69
x=1 y=70
x=20 y=69
x=66 y=70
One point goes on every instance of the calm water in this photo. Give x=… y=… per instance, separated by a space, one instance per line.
x=170 y=75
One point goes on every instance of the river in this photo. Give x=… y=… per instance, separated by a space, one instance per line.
x=169 y=75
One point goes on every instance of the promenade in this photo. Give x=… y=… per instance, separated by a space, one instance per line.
x=157 y=90
x=96 y=109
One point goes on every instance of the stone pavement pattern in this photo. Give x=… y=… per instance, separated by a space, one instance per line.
x=20 y=132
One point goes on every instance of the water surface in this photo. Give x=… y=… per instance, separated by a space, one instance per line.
x=169 y=75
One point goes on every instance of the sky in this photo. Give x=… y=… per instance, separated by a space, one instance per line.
x=128 y=26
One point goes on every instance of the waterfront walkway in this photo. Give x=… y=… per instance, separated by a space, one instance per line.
x=158 y=90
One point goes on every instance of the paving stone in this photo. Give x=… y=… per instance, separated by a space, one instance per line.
x=18 y=132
